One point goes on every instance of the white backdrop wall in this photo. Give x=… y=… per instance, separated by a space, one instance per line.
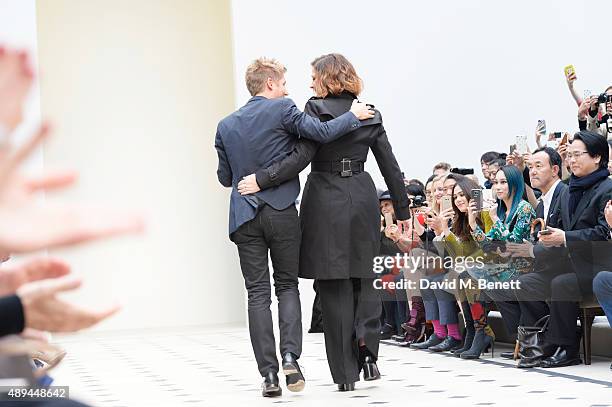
x=452 y=79
x=135 y=89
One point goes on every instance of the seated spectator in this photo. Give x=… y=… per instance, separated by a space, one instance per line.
x=545 y=175
x=511 y=217
x=459 y=243
x=583 y=224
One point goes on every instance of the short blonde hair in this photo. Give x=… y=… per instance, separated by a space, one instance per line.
x=335 y=74
x=260 y=70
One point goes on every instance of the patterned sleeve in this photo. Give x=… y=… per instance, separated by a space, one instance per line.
x=479 y=235
x=522 y=228
x=499 y=231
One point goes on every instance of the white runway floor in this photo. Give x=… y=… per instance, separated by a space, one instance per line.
x=210 y=367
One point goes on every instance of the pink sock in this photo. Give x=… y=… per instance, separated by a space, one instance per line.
x=453 y=331
x=439 y=330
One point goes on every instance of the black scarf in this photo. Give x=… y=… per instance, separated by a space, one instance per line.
x=578 y=185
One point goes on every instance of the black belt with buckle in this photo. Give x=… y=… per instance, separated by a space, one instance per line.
x=346 y=167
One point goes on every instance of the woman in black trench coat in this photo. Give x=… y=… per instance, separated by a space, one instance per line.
x=340 y=220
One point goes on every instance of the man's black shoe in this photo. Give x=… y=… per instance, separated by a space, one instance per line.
x=561 y=358
x=293 y=374
x=386 y=332
x=270 y=386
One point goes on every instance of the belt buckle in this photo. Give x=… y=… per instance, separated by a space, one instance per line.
x=346 y=172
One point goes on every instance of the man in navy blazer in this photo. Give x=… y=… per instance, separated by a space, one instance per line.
x=261 y=132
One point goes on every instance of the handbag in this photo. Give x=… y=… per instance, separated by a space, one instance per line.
x=530 y=341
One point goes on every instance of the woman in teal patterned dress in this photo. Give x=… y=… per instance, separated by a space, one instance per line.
x=512 y=217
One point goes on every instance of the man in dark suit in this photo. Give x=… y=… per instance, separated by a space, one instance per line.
x=544 y=175
x=582 y=239
x=261 y=132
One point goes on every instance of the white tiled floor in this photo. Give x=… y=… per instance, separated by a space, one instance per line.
x=209 y=367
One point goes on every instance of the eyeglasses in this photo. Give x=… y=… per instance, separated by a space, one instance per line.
x=576 y=154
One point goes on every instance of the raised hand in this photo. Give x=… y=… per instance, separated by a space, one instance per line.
x=27 y=226
x=11 y=278
x=44 y=311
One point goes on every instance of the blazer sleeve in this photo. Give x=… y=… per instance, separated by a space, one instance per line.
x=289 y=167
x=305 y=126
x=392 y=174
x=12 y=320
x=224 y=171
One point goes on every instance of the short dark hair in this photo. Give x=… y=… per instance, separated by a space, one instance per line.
x=456 y=177
x=415 y=181
x=596 y=145
x=415 y=189
x=553 y=158
x=489 y=156
x=498 y=161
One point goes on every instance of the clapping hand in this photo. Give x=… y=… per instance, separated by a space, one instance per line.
x=27 y=226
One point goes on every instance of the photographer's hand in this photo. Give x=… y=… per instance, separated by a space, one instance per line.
x=446 y=215
x=492 y=207
x=472 y=214
x=583 y=109
x=248 y=185
x=393 y=232
x=608 y=213
x=434 y=221
x=594 y=106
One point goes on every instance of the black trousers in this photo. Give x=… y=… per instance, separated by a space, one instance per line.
x=351 y=311
x=316 y=322
x=276 y=232
x=508 y=306
x=563 y=291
